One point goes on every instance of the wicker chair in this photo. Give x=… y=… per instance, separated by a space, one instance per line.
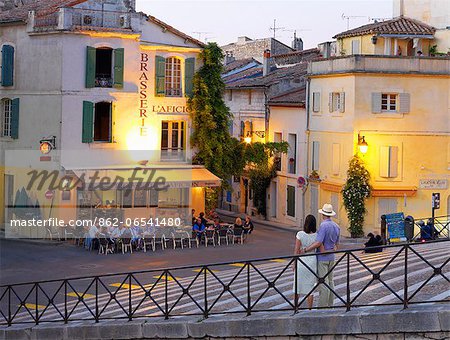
x=238 y=235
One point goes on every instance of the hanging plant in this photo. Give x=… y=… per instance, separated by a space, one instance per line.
x=355 y=192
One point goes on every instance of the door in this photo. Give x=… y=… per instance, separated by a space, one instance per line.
x=386 y=206
x=291 y=201
x=273 y=199
x=314 y=200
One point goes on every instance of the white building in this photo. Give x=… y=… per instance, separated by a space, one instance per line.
x=111 y=86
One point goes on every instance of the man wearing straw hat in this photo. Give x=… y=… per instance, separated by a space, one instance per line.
x=327 y=239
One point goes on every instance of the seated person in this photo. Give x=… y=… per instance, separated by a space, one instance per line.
x=202 y=217
x=216 y=224
x=194 y=219
x=426 y=231
x=198 y=228
x=372 y=242
x=248 y=225
x=238 y=223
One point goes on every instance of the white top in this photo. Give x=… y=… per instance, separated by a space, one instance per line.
x=306 y=239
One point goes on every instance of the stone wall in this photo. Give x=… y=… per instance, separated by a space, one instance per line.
x=255 y=48
x=419 y=322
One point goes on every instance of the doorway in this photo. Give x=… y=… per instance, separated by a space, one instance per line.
x=273 y=200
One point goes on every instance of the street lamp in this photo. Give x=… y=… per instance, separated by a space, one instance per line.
x=248 y=138
x=362 y=144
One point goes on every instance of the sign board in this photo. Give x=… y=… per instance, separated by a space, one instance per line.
x=49 y=194
x=395 y=224
x=433 y=184
x=436 y=200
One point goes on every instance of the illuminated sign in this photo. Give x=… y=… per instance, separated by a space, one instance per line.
x=143 y=86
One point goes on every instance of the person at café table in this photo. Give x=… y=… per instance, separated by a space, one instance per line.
x=216 y=224
x=194 y=219
x=198 y=228
x=248 y=225
x=202 y=217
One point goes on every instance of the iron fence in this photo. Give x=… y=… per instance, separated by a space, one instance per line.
x=440 y=227
x=402 y=274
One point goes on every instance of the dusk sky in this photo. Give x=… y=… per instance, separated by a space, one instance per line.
x=223 y=21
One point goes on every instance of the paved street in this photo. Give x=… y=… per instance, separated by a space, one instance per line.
x=270 y=282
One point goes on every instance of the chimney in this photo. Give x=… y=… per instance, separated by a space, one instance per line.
x=297 y=44
x=266 y=62
x=229 y=58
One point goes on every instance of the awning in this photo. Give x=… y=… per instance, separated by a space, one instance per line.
x=407 y=36
x=106 y=179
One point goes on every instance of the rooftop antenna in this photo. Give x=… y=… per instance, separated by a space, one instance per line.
x=275 y=28
x=379 y=19
x=348 y=17
x=295 y=31
x=200 y=33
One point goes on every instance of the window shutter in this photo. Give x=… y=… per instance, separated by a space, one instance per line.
x=15 y=118
x=316 y=101
x=342 y=102
x=88 y=122
x=160 y=71
x=355 y=47
x=118 y=67
x=189 y=69
x=291 y=201
x=242 y=129
x=389 y=161
x=404 y=100
x=90 y=66
x=315 y=155
x=330 y=102
x=7 y=65
x=376 y=102
x=230 y=127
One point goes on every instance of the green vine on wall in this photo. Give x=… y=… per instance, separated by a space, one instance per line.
x=355 y=192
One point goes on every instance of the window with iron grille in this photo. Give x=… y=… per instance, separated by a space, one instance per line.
x=173 y=77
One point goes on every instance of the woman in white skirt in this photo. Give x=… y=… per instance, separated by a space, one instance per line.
x=306 y=280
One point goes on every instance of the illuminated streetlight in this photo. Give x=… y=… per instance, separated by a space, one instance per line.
x=362 y=144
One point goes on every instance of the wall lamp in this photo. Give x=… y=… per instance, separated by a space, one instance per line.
x=362 y=144
x=248 y=137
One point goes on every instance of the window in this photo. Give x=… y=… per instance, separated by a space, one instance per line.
x=6 y=117
x=316 y=101
x=337 y=102
x=292 y=153
x=9 y=124
x=390 y=102
x=140 y=198
x=173 y=137
x=315 y=156
x=230 y=95
x=389 y=161
x=97 y=122
x=249 y=97
x=173 y=77
x=7 y=66
x=355 y=47
x=291 y=200
x=104 y=67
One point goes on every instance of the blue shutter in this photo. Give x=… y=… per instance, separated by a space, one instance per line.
x=15 y=118
x=160 y=76
x=189 y=70
x=87 y=135
x=7 y=65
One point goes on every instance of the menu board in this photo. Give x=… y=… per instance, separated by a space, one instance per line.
x=395 y=224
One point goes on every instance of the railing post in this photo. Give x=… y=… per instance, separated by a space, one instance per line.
x=96 y=299
x=348 y=281
x=9 y=306
x=405 y=287
x=295 y=285
x=166 y=298
x=249 y=306
x=129 y=299
x=36 y=296
x=65 y=301
x=206 y=292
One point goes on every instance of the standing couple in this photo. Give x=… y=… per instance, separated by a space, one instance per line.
x=309 y=241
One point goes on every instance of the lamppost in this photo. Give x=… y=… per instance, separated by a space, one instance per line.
x=362 y=144
x=248 y=137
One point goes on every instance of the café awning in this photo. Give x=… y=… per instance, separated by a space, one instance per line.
x=147 y=178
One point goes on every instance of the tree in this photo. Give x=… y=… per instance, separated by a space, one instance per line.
x=355 y=192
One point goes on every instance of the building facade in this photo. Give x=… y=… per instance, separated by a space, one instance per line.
x=108 y=88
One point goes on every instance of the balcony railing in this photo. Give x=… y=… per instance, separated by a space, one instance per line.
x=69 y=19
x=380 y=64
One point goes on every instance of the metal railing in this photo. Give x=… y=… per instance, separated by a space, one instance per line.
x=408 y=273
x=440 y=227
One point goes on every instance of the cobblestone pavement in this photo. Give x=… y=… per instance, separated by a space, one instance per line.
x=373 y=279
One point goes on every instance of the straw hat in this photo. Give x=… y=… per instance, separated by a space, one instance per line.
x=327 y=210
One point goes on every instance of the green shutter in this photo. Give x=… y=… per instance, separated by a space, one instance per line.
x=291 y=201
x=90 y=66
x=118 y=67
x=160 y=72
x=15 y=118
x=7 y=65
x=88 y=122
x=189 y=69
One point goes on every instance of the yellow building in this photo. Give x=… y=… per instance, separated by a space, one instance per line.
x=400 y=105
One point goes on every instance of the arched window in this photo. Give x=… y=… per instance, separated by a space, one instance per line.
x=173 y=77
x=6 y=115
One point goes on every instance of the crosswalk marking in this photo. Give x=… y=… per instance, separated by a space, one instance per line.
x=124 y=285
x=271 y=269
x=163 y=278
x=209 y=270
x=237 y=264
x=278 y=261
x=32 y=306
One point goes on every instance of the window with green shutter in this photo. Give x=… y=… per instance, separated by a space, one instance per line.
x=15 y=118
x=7 y=65
x=88 y=122
x=291 y=201
x=189 y=70
x=118 y=67
x=160 y=71
x=91 y=54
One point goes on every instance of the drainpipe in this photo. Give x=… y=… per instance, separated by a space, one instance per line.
x=307 y=106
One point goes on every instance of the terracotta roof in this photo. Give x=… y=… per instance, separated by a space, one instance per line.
x=274 y=77
x=238 y=64
x=399 y=25
x=295 y=97
x=41 y=7
x=313 y=50
x=174 y=30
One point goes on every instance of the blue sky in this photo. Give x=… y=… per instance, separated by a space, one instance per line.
x=223 y=21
